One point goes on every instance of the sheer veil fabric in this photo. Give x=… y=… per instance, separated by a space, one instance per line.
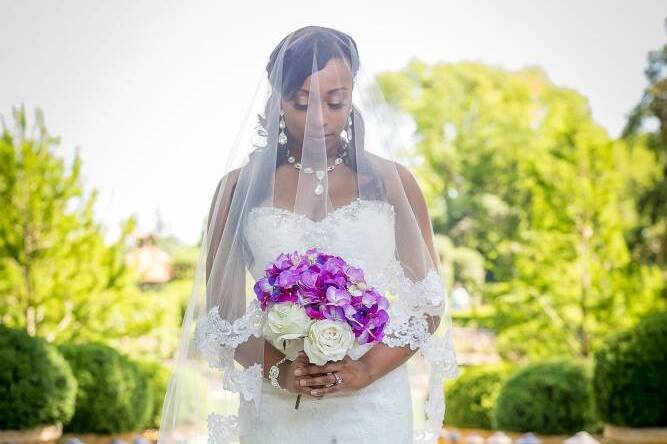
x=316 y=157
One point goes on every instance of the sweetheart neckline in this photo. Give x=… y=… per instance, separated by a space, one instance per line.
x=356 y=202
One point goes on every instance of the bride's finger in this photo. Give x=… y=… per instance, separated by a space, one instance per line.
x=321 y=391
x=318 y=380
x=300 y=363
x=335 y=366
x=304 y=390
x=313 y=369
x=307 y=389
x=302 y=357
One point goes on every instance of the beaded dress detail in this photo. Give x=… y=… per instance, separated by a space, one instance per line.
x=361 y=232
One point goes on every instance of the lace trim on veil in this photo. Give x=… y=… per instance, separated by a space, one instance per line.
x=217 y=338
x=408 y=325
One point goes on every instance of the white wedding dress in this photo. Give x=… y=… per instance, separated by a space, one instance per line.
x=362 y=233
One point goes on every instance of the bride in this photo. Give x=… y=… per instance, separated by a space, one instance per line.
x=313 y=169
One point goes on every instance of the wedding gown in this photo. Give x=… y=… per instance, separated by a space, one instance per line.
x=362 y=233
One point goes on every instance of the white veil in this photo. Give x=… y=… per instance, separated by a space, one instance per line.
x=341 y=157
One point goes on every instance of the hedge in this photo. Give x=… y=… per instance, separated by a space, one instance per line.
x=37 y=386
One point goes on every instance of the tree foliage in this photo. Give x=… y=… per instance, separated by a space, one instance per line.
x=59 y=278
x=514 y=167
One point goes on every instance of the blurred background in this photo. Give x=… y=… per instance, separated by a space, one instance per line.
x=537 y=131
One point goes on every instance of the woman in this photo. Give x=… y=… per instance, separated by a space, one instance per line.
x=319 y=174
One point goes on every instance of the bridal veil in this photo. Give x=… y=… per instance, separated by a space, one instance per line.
x=318 y=139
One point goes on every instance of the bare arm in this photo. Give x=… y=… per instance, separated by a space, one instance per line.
x=381 y=358
x=245 y=353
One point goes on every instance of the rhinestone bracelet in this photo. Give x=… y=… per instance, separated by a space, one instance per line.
x=273 y=374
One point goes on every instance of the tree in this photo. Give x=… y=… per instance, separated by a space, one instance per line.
x=515 y=168
x=647 y=125
x=58 y=277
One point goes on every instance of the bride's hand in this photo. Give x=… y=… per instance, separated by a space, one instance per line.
x=355 y=375
x=289 y=380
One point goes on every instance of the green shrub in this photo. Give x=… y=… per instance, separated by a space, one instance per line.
x=113 y=396
x=158 y=378
x=471 y=398
x=551 y=397
x=37 y=386
x=630 y=377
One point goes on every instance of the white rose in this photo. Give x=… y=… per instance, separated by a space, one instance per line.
x=286 y=321
x=328 y=340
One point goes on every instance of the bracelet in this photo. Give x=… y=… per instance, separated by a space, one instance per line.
x=273 y=374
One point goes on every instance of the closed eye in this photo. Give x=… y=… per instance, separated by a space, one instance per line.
x=331 y=105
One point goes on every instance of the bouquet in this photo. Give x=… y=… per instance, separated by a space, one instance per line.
x=319 y=304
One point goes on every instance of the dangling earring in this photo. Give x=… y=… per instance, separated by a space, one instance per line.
x=346 y=134
x=282 y=137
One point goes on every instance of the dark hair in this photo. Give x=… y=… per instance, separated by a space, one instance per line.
x=299 y=54
x=297 y=66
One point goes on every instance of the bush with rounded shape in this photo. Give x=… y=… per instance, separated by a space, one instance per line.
x=113 y=396
x=552 y=397
x=630 y=376
x=471 y=398
x=158 y=377
x=37 y=386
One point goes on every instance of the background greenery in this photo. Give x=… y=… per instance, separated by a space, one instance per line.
x=557 y=227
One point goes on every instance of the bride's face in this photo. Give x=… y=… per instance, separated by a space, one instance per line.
x=334 y=83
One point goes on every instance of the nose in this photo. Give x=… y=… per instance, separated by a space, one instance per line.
x=316 y=130
x=316 y=122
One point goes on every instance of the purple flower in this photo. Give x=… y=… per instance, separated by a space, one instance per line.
x=308 y=296
x=371 y=297
x=282 y=262
x=355 y=274
x=334 y=265
x=327 y=288
x=314 y=312
x=263 y=289
x=338 y=297
x=309 y=277
x=286 y=296
x=333 y=312
x=370 y=326
x=350 y=311
x=288 y=278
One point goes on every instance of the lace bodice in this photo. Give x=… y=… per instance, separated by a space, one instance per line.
x=360 y=223
x=362 y=233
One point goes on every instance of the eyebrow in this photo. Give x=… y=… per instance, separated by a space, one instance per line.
x=335 y=89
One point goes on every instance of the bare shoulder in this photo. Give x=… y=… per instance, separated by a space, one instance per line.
x=224 y=191
x=408 y=178
x=228 y=182
x=401 y=184
x=391 y=168
x=387 y=167
x=232 y=176
x=414 y=193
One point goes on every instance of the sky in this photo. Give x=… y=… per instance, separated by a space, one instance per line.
x=151 y=93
